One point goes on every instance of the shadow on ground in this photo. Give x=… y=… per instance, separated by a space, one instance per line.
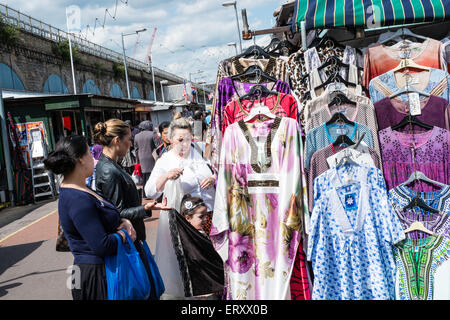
x=9 y=256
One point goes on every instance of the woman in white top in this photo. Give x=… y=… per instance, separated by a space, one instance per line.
x=179 y=171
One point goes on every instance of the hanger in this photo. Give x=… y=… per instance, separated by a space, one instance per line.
x=408 y=89
x=339 y=116
x=254 y=70
x=336 y=77
x=278 y=49
x=343 y=139
x=325 y=41
x=335 y=61
x=341 y=99
x=409 y=119
x=259 y=90
x=419 y=203
x=418 y=226
x=259 y=111
x=403 y=32
x=408 y=63
x=347 y=159
x=417 y=175
x=255 y=51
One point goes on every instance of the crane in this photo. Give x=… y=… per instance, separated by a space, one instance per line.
x=149 y=49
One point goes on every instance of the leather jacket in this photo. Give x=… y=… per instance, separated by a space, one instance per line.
x=116 y=186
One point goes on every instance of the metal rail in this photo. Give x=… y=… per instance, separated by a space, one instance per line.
x=42 y=29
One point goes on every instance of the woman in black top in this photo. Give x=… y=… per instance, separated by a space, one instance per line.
x=88 y=221
x=116 y=185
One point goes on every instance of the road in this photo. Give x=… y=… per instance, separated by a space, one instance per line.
x=30 y=268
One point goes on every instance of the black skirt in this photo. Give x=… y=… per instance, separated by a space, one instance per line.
x=91 y=284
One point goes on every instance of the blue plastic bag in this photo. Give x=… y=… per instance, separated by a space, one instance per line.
x=156 y=276
x=126 y=277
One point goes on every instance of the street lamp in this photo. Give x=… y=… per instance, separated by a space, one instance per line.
x=191 y=73
x=125 y=58
x=162 y=91
x=233 y=44
x=203 y=88
x=190 y=77
x=229 y=4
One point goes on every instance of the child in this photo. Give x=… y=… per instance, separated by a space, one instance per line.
x=194 y=210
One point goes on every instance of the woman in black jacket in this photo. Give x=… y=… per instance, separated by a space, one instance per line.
x=88 y=221
x=115 y=184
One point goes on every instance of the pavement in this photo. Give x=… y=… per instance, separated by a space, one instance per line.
x=30 y=267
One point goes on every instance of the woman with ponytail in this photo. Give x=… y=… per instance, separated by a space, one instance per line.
x=88 y=221
x=116 y=185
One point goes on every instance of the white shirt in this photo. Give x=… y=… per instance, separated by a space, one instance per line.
x=195 y=171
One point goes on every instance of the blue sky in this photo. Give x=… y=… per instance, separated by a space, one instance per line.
x=192 y=35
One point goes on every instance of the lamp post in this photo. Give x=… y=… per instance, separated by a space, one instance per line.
x=162 y=91
x=203 y=88
x=190 y=77
x=125 y=58
x=229 y=4
x=233 y=44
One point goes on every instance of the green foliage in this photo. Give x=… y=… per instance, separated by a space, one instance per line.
x=9 y=35
x=119 y=70
x=98 y=69
x=62 y=50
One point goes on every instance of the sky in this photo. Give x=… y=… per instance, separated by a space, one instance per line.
x=191 y=36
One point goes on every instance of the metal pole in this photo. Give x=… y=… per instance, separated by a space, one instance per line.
x=204 y=95
x=303 y=34
x=5 y=137
x=71 y=57
x=239 y=30
x=162 y=91
x=153 y=78
x=125 y=65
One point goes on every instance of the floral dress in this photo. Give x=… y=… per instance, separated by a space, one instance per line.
x=257 y=217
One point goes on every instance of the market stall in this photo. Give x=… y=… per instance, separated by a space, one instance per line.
x=333 y=155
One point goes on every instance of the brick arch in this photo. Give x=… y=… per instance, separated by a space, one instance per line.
x=9 y=79
x=116 y=91
x=55 y=84
x=135 y=94
x=91 y=87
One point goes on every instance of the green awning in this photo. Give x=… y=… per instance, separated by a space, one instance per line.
x=368 y=13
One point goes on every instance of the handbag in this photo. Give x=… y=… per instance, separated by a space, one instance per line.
x=126 y=277
x=156 y=276
x=62 y=245
x=137 y=174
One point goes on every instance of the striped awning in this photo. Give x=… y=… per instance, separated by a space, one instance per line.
x=368 y=13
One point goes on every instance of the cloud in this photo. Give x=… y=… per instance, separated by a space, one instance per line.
x=192 y=34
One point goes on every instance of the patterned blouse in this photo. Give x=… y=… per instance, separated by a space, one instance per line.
x=435 y=111
x=423 y=266
x=322 y=136
x=380 y=58
x=439 y=223
x=361 y=113
x=403 y=153
x=324 y=99
x=319 y=164
x=353 y=230
x=282 y=105
x=435 y=82
x=401 y=196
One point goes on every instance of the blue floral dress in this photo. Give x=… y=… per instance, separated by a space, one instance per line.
x=353 y=230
